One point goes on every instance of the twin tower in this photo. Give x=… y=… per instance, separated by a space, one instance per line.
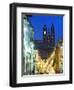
x=49 y=35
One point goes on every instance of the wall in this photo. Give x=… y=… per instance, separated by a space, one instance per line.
x=4 y=43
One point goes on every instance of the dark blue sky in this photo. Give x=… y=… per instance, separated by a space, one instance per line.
x=38 y=21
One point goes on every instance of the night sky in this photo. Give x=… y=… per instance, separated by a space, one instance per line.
x=38 y=21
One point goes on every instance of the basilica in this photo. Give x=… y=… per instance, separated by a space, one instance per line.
x=49 y=35
x=46 y=45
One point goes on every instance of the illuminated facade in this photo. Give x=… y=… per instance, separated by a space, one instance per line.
x=28 y=63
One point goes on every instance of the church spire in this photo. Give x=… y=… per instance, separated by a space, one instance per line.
x=44 y=33
x=52 y=35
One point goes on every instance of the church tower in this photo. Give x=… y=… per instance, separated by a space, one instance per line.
x=45 y=33
x=49 y=36
x=52 y=36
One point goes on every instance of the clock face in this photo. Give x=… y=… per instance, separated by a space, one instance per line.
x=44 y=32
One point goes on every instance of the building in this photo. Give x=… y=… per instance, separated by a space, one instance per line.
x=28 y=62
x=46 y=45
